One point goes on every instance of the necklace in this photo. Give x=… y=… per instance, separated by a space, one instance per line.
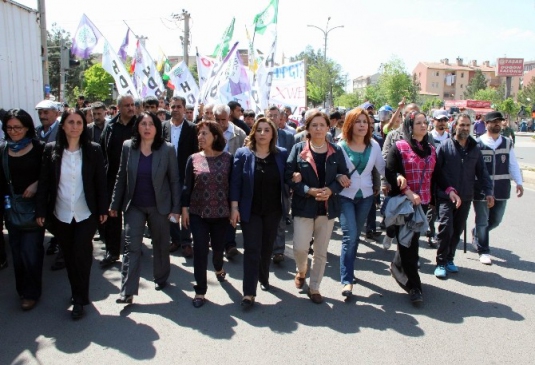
x=317 y=147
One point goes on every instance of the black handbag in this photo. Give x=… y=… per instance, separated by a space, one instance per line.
x=21 y=215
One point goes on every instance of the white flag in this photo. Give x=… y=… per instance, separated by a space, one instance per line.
x=147 y=72
x=204 y=68
x=184 y=83
x=115 y=67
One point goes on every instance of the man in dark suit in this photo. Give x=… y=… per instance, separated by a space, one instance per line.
x=235 y=114
x=285 y=139
x=118 y=130
x=183 y=135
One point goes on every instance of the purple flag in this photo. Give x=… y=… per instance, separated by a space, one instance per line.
x=126 y=43
x=85 y=39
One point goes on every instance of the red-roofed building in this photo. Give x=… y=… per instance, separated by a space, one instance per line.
x=449 y=79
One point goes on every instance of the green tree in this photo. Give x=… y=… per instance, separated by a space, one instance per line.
x=73 y=76
x=97 y=83
x=349 y=100
x=431 y=104
x=478 y=82
x=394 y=83
x=323 y=77
x=495 y=96
x=509 y=108
x=526 y=96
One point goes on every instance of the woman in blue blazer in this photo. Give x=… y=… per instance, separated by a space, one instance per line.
x=256 y=189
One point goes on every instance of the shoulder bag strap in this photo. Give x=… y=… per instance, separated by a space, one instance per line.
x=6 y=168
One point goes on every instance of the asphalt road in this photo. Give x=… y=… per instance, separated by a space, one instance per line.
x=482 y=315
x=525 y=150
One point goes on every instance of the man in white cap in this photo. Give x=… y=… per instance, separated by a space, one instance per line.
x=48 y=113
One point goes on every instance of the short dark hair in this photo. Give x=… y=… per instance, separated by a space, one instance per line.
x=216 y=130
x=179 y=98
x=25 y=119
x=336 y=115
x=190 y=107
x=249 y=113
x=233 y=105
x=158 y=138
x=151 y=100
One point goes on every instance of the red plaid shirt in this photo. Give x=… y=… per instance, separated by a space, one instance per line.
x=414 y=167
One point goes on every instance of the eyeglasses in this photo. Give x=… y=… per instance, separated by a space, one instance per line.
x=16 y=128
x=442 y=120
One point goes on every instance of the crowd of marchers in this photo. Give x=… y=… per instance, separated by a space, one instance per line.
x=187 y=178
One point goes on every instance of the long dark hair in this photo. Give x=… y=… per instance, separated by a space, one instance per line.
x=408 y=125
x=158 y=138
x=274 y=135
x=61 y=137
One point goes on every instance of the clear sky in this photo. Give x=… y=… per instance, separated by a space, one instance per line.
x=374 y=31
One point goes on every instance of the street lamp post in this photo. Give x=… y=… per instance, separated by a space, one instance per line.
x=325 y=37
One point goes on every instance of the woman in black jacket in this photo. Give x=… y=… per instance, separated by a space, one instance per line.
x=322 y=171
x=22 y=152
x=72 y=197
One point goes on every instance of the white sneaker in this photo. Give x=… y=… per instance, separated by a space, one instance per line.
x=387 y=242
x=485 y=259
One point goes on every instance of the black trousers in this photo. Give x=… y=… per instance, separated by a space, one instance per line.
x=207 y=231
x=258 y=237
x=3 y=255
x=451 y=222
x=407 y=260
x=76 y=241
x=113 y=227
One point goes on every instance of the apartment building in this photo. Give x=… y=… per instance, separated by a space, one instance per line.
x=449 y=80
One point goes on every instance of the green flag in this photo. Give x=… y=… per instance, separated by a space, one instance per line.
x=267 y=17
x=166 y=69
x=223 y=47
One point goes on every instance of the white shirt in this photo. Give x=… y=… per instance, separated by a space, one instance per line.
x=175 y=134
x=439 y=138
x=514 y=168
x=70 y=202
x=289 y=129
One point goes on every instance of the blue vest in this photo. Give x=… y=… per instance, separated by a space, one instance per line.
x=497 y=163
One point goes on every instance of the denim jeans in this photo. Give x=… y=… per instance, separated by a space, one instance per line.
x=28 y=253
x=352 y=218
x=486 y=220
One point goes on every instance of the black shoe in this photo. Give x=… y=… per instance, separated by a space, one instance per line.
x=370 y=235
x=108 y=260
x=129 y=299
x=278 y=258
x=416 y=296
x=198 y=302
x=247 y=303
x=231 y=252
x=53 y=247
x=265 y=286
x=160 y=286
x=58 y=265
x=77 y=311
x=3 y=264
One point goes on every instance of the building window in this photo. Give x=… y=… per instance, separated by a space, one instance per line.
x=437 y=73
x=462 y=75
x=461 y=86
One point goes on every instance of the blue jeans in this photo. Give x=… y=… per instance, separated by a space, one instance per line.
x=354 y=213
x=486 y=220
x=28 y=253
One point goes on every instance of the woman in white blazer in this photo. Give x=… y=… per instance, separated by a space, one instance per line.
x=362 y=154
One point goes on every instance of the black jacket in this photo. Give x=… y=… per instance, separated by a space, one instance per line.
x=301 y=160
x=187 y=144
x=461 y=167
x=109 y=135
x=93 y=179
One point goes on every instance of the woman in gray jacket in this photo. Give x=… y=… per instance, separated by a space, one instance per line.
x=147 y=190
